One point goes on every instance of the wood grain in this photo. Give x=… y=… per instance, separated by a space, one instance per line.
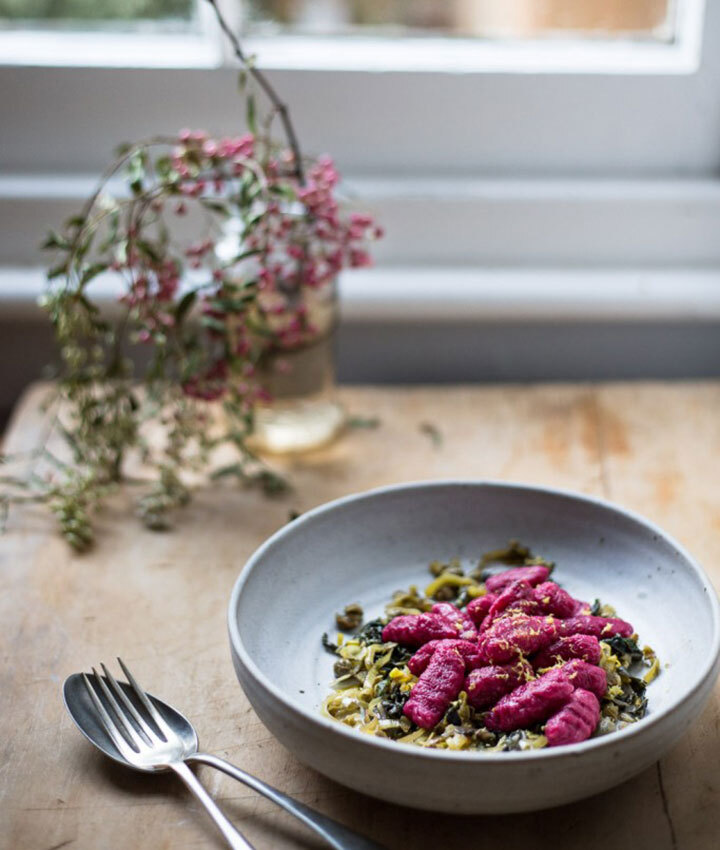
x=160 y=599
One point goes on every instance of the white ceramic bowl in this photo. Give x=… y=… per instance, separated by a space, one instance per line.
x=363 y=547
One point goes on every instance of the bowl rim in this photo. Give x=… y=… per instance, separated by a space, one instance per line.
x=465 y=757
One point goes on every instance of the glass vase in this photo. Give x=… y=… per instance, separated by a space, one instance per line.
x=303 y=412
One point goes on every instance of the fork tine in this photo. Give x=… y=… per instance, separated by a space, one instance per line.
x=149 y=707
x=135 y=714
x=123 y=723
x=120 y=743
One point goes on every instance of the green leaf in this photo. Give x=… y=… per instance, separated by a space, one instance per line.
x=113 y=225
x=149 y=250
x=84 y=246
x=227 y=471
x=283 y=190
x=252 y=220
x=87 y=304
x=56 y=271
x=92 y=271
x=136 y=171
x=75 y=221
x=250 y=114
x=245 y=254
x=163 y=166
x=185 y=304
x=433 y=432
x=363 y=422
x=232 y=305
x=55 y=240
x=271 y=483
x=260 y=330
x=216 y=207
x=213 y=323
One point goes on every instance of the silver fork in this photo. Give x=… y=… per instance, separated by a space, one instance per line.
x=151 y=749
x=150 y=735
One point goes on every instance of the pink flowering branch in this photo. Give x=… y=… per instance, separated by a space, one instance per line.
x=211 y=339
x=278 y=105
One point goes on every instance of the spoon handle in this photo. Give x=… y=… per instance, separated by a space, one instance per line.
x=336 y=835
x=231 y=835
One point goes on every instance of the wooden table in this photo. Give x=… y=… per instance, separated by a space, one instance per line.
x=159 y=599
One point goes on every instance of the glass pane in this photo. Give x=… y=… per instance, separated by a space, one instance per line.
x=170 y=14
x=467 y=18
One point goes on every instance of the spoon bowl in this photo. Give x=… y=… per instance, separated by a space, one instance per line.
x=139 y=730
x=86 y=718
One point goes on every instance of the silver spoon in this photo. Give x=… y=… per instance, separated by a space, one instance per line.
x=138 y=730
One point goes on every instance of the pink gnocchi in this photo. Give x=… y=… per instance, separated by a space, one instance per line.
x=534 y=574
x=436 y=688
x=529 y=704
x=515 y=663
x=552 y=599
x=478 y=608
x=575 y=721
x=485 y=685
x=600 y=627
x=585 y=676
x=517 y=634
x=460 y=620
x=417 y=629
x=469 y=651
x=584 y=647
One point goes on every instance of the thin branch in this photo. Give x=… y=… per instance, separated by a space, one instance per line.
x=269 y=91
x=109 y=172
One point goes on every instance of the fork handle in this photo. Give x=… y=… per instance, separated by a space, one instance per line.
x=231 y=835
x=334 y=833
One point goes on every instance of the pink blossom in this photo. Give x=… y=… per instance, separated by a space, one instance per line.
x=210 y=384
x=242 y=347
x=358 y=259
x=361 y=219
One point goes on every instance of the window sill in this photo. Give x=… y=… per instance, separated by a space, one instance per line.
x=452 y=295
x=107 y=50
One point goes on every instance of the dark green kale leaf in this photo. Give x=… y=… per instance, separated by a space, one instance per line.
x=328 y=644
x=371 y=632
x=399 y=658
x=393 y=703
x=625 y=648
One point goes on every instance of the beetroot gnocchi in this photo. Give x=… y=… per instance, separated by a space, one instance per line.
x=499 y=660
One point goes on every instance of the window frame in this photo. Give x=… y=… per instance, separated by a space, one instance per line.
x=550 y=115
x=520 y=179
x=204 y=47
